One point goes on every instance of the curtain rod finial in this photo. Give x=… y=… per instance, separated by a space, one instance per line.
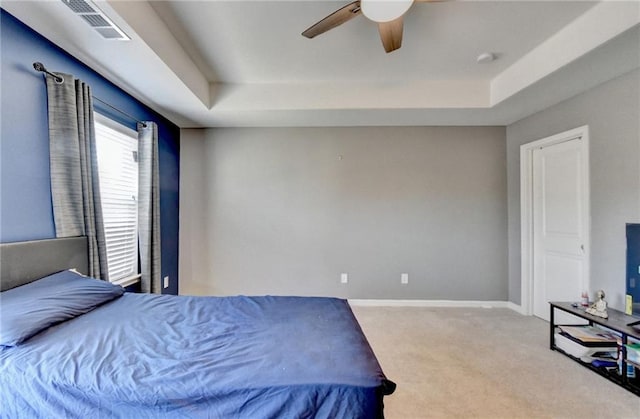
x=38 y=66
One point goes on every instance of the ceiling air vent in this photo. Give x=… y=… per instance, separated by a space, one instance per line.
x=96 y=19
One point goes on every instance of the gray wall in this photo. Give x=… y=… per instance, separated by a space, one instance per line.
x=286 y=210
x=612 y=112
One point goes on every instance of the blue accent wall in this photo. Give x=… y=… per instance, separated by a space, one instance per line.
x=25 y=196
x=633 y=265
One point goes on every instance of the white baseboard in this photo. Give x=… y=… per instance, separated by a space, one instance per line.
x=435 y=303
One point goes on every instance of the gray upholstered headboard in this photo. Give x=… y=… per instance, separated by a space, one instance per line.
x=24 y=262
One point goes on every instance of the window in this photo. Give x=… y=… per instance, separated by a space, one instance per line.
x=117 y=151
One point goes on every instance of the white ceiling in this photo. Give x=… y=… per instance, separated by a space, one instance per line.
x=244 y=63
x=260 y=42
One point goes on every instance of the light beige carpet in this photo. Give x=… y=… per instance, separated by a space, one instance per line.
x=483 y=363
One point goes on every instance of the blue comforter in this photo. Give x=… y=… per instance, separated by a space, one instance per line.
x=218 y=357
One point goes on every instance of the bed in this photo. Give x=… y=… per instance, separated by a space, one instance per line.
x=108 y=353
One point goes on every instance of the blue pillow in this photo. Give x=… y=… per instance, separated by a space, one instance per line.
x=31 y=308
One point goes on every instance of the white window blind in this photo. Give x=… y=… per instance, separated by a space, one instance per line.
x=117 y=148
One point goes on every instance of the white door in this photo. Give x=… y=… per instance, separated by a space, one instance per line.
x=560 y=265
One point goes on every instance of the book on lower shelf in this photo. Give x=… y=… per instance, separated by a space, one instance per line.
x=590 y=335
x=633 y=353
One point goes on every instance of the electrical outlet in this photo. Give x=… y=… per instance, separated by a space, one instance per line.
x=344 y=278
x=404 y=279
x=166 y=282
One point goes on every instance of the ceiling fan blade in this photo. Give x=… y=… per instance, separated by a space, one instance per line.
x=336 y=18
x=391 y=34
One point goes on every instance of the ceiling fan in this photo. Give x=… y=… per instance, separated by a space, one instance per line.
x=388 y=14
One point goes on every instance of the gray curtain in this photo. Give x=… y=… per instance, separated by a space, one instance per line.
x=74 y=170
x=149 y=208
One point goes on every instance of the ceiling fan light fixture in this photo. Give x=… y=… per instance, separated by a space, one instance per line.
x=382 y=11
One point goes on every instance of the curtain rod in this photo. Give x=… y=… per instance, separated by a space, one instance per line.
x=122 y=112
x=38 y=66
